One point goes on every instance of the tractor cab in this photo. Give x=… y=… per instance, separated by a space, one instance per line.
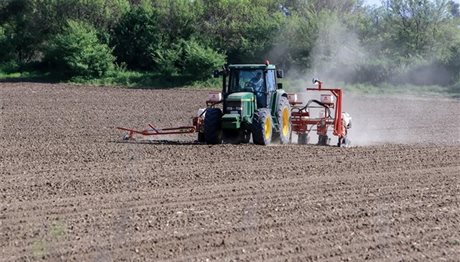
x=260 y=80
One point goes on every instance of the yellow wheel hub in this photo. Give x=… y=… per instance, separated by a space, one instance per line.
x=268 y=128
x=285 y=125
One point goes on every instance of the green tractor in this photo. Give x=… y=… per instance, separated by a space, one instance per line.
x=253 y=104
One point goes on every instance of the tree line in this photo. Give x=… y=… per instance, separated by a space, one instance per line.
x=413 y=41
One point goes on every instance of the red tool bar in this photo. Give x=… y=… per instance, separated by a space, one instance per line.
x=163 y=131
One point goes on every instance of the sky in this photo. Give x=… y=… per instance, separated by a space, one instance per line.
x=379 y=2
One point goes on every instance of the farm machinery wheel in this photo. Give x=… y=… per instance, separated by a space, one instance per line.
x=283 y=116
x=344 y=142
x=262 y=127
x=213 y=126
x=303 y=139
x=323 y=140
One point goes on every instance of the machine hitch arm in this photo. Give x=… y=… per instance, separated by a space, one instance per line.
x=159 y=131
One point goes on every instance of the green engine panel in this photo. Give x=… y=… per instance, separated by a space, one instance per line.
x=239 y=109
x=231 y=121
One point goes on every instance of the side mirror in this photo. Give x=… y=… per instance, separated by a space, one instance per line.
x=280 y=85
x=216 y=73
x=280 y=73
x=314 y=80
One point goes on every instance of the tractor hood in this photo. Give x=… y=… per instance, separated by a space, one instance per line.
x=241 y=96
x=239 y=107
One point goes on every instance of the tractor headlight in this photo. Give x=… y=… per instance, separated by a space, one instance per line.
x=234 y=107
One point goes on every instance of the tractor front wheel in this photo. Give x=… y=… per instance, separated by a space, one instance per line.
x=213 y=126
x=262 y=127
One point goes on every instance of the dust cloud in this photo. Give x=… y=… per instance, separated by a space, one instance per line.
x=377 y=119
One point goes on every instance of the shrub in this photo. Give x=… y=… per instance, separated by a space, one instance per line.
x=189 y=58
x=78 y=52
x=6 y=48
x=200 y=61
x=167 y=60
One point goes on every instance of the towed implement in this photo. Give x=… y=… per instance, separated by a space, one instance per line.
x=329 y=114
x=196 y=127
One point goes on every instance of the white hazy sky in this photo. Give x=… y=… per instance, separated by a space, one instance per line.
x=378 y=2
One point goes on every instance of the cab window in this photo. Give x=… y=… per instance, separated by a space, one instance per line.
x=246 y=81
x=271 y=85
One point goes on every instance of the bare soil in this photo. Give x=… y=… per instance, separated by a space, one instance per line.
x=70 y=190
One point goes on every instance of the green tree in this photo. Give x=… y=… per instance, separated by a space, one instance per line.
x=189 y=58
x=339 y=6
x=244 y=30
x=413 y=25
x=294 y=43
x=200 y=61
x=184 y=37
x=454 y=8
x=77 y=52
x=180 y=19
x=29 y=24
x=137 y=36
x=23 y=35
x=6 y=47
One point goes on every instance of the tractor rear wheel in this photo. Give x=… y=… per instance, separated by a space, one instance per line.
x=213 y=126
x=262 y=127
x=283 y=115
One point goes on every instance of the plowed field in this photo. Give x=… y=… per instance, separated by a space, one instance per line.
x=70 y=190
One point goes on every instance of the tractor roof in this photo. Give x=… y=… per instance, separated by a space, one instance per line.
x=252 y=66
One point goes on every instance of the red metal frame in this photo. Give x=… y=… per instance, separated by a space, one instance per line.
x=197 y=126
x=159 y=131
x=302 y=123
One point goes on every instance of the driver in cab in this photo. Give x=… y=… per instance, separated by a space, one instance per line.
x=257 y=82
